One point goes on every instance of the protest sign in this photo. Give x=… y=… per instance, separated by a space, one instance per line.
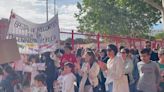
x=8 y=51
x=34 y=38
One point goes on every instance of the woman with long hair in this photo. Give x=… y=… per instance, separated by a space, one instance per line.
x=89 y=73
x=128 y=67
x=116 y=80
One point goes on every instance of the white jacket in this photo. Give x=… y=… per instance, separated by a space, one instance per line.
x=115 y=73
x=91 y=74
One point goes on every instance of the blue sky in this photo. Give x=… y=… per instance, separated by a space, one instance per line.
x=158 y=27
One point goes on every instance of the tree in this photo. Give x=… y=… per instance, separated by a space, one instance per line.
x=159 y=35
x=118 y=17
x=147 y=36
x=158 y=4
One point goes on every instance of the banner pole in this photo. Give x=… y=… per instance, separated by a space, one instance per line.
x=72 y=39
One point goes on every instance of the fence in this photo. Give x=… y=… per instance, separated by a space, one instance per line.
x=117 y=40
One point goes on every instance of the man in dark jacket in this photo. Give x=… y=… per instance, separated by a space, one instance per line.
x=51 y=71
x=153 y=55
x=103 y=58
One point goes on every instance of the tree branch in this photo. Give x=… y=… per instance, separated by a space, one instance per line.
x=163 y=3
x=153 y=4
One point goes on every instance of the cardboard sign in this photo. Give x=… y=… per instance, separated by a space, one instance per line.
x=8 y=51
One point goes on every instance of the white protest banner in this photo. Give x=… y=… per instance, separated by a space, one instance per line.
x=8 y=51
x=34 y=38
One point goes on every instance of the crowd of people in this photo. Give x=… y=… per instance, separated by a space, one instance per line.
x=86 y=70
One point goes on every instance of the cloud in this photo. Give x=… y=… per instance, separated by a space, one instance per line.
x=66 y=16
x=35 y=11
x=25 y=8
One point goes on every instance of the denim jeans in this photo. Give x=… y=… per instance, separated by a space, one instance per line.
x=96 y=89
x=133 y=87
x=110 y=87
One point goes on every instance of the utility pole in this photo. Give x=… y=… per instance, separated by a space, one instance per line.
x=54 y=7
x=47 y=10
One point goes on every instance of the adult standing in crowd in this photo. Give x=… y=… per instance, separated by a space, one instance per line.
x=116 y=80
x=161 y=65
x=128 y=66
x=103 y=55
x=148 y=73
x=103 y=58
x=153 y=55
x=51 y=71
x=89 y=72
x=134 y=50
x=56 y=56
x=68 y=55
x=79 y=55
x=80 y=61
x=135 y=60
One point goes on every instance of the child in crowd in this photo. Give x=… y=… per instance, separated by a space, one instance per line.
x=34 y=72
x=148 y=72
x=39 y=84
x=66 y=80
